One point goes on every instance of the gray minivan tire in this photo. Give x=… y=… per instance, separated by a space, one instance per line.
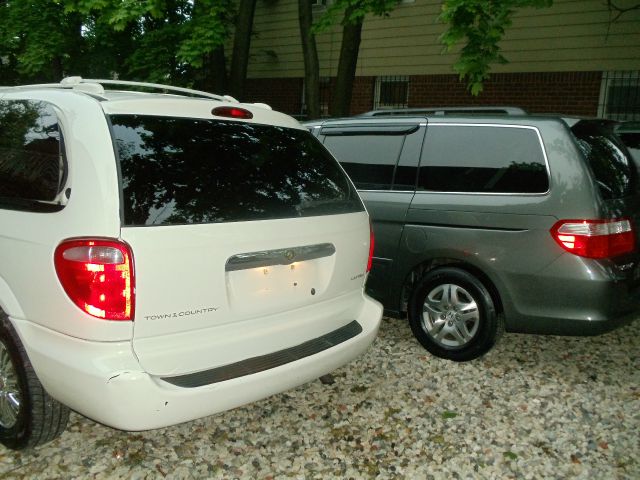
x=39 y=417
x=472 y=298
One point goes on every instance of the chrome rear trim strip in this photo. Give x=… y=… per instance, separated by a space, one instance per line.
x=281 y=256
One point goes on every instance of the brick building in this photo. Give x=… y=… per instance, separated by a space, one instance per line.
x=572 y=58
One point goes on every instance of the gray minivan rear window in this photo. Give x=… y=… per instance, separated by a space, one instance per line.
x=482 y=159
x=370 y=160
x=612 y=166
x=188 y=171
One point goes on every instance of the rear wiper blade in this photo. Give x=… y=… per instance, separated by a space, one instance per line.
x=30 y=205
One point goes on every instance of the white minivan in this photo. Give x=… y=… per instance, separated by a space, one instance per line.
x=166 y=256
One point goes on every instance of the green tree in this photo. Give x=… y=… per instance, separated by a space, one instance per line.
x=311 y=62
x=175 y=41
x=353 y=15
x=203 y=48
x=159 y=32
x=31 y=48
x=480 y=25
x=180 y=41
x=241 y=46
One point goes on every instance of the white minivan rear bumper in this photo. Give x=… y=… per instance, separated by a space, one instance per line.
x=105 y=382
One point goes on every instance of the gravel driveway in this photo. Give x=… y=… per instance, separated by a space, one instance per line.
x=534 y=407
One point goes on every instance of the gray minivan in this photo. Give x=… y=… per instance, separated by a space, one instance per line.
x=485 y=222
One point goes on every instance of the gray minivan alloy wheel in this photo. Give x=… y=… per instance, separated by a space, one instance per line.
x=450 y=315
x=28 y=415
x=453 y=316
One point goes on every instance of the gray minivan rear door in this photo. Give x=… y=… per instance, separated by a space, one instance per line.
x=382 y=161
x=613 y=170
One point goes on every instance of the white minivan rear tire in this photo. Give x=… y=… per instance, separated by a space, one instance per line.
x=28 y=415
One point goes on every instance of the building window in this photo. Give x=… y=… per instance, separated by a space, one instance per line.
x=620 y=96
x=391 y=92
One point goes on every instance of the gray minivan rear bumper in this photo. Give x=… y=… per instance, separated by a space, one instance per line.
x=573 y=327
x=602 y=300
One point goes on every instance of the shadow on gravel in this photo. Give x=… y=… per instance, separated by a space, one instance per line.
x=583 y=357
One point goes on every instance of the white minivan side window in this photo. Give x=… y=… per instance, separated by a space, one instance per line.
x=32 y=166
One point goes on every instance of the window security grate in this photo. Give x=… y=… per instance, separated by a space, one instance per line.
x=620 y=95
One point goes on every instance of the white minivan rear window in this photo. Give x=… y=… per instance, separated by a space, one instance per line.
x=189 y=171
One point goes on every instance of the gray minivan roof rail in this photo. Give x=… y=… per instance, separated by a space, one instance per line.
x=469 y=110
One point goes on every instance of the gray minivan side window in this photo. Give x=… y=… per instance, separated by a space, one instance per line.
x=407 y=169
x=368 y=159
x=482 y=159
x=32 y=167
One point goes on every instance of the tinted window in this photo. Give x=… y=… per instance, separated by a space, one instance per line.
x=613 y=169
x=482 y=159
x=32 y=169
x=407 y=169
x=632 y=141
x=187 y=171
x=369 y=160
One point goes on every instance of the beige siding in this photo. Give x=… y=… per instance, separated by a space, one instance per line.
x=573 y=35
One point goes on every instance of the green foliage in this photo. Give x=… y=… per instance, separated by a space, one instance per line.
x=155 y=40
x=209 y=28
x=128 y=11
x=84 y=6
x=352 y=12
x=30 y=45
x=119 y=13
x=481 y=24
x=134 y=39
x=154 y=59
x=510 y=455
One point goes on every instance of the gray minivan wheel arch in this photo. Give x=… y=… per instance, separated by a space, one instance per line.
x=36 y=418
x=453 y=315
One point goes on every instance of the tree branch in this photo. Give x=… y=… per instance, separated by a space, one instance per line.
x=619 y=10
